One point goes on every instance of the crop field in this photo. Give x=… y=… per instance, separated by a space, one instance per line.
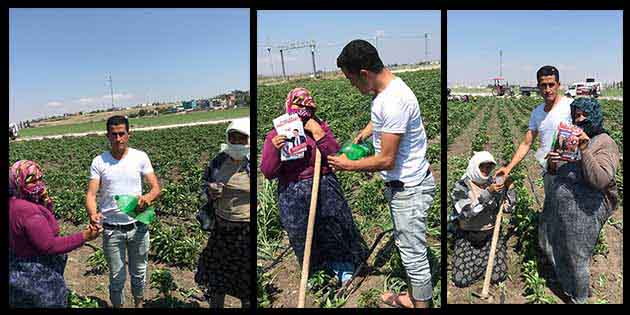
x=347 y=112
x=178 y=156
x=146 y=121
x=498 y=125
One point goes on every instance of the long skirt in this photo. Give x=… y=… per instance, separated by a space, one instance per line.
x=472 y=249
x=335 y=237
x=569 y=226
x=37 y=282
x=225 y=264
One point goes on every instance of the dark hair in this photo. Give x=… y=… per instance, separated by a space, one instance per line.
x=359 y=55
x=118 y=120
x=547 y=71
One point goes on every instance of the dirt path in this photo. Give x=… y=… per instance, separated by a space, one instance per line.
x=82 y=134
x=96 y=286
x=463 y=142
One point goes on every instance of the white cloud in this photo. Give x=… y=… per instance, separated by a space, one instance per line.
x=54 y=104
x=86 y=100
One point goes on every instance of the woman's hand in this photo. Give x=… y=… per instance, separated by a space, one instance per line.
x=215 y=190
x=315 y=129
x=552 y=158
x=494 y=187
x=91 y=232
x=279 y=141
x=584 y=141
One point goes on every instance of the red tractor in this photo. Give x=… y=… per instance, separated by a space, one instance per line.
x=500 y=87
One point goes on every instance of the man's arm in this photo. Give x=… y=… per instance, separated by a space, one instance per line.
x=90 y=201
x=521 y=152
x=385 y=160
x=149 y=197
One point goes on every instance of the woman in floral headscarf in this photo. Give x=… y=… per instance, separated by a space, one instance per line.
x=37 y=254
x=582 y=198
x=337 y=243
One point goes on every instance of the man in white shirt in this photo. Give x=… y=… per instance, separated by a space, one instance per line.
x=400 y=143
x=544 y=120
x=120 y=172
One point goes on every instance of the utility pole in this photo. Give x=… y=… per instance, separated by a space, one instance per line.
x=313 y=57
x=500 y=63
x=426 y=47
x=270 y=59
x=284 y=74
x=111 y=89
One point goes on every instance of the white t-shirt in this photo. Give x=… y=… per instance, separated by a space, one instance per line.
x=396 y=110
x=119 y=177
x=547 y=123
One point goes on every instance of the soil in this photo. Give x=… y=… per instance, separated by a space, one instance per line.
x=96 y=286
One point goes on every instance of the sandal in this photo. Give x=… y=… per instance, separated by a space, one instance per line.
x=401 y=300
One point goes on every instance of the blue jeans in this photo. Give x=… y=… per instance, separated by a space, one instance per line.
x=408 y=207
x=116 y=244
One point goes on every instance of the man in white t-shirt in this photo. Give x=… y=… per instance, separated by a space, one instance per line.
x=120 y=172
x=400 y=143
x=544 y=120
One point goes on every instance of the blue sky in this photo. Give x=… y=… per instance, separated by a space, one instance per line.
x=59 y=58
x=578 y=43
x=401 y=36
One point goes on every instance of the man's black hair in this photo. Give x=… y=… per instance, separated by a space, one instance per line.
x=359 y=55
x=547 y=71
x=117 y=120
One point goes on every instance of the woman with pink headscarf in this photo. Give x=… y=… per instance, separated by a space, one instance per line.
x=337 y=244
x=37 y=254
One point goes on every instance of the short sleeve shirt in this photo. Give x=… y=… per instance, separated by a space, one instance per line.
x=546 y=123
x=396 y=110
x=119 y=177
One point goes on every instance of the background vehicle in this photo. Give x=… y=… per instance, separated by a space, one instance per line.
x=501 y=87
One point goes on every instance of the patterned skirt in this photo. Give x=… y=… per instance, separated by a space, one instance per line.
x=335 y=237
x=471 y=257
x=225 y=265
x=37 y=282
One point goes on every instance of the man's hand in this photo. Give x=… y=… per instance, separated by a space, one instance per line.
x=96 y=219
x=584 y=141
x=503 y=171
x=363 y=134
x=340 y=163
x=279 y=141
x=316 y=130
x=143 y=201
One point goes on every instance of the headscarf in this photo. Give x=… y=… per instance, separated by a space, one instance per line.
x=594 y=122
x=26 y=182
x=301 y=96
x=473 y=172
x=237 y=151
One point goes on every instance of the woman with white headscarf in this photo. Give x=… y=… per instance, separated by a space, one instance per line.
x=477 y=198
x=225 y=264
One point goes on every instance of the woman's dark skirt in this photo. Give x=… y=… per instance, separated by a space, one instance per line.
x=37 y=282
x=472 y=249
x=225 y=264
x=335 y=237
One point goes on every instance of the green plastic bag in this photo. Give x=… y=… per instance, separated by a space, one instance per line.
x=356 y=151
x=128 y=205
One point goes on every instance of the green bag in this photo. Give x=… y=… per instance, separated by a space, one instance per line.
x=357 y=151
x=128 y=205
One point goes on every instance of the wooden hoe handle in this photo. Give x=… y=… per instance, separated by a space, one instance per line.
x=493 y=247
x=309 y=229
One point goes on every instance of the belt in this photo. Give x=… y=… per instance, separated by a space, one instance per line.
x=399 y=184
x=121 y=227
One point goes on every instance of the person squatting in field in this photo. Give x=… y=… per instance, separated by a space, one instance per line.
x=400 y=142
x=37 y=254
x=476 y=199
x=582 y=196
x=121 y=171
x=337 y=244
x=225 y=264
